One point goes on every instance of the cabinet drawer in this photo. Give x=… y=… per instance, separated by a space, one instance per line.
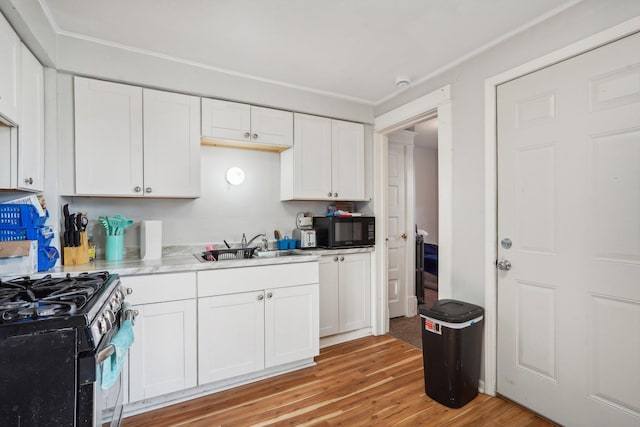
x=247 y=279
x=160 y=287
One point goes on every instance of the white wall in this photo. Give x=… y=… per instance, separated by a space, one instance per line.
x=467 y=85
x=425 y=162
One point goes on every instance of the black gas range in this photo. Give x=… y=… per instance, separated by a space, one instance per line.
x=55 y=334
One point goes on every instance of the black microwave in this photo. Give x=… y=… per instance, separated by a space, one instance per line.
x=344 y=231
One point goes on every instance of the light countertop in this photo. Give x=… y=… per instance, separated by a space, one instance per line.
x=181 y=262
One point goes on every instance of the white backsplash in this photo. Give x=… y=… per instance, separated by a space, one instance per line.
x=223 y=212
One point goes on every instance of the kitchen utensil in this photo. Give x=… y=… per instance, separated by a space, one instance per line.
x=81 y=221
x=105 y=224
x=67 y=225
x=72 y=231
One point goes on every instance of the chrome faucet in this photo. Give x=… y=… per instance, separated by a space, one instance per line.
x=265 y=242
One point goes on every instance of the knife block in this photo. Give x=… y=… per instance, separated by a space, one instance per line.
x=77 y=255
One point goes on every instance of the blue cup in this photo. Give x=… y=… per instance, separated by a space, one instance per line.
x=114 y=248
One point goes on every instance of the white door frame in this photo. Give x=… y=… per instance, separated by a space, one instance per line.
x=491 y=194
x=437 y=102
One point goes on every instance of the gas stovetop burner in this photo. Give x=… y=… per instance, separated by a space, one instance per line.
x=23 y=297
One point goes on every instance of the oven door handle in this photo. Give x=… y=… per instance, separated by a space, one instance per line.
x=105 y=353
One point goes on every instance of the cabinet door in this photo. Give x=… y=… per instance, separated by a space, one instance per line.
x=108 y=138
x=355 y=291
x=347 y=153
x=271 y=127
x=31 y=129
x=329 y=296
x=171 y=144
x=312 y=157
x=291 y=324
x=163 y=356
x=230 y=335
x=226 y=120
x=9 y=71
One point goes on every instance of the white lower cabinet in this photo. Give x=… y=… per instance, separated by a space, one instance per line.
x=163 y=357
x=345 y=293
x=231 y=335
x=256 y=318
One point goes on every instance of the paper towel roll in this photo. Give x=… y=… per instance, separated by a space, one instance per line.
x=151 y=239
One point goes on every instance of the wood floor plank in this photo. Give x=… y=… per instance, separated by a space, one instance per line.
x=369 y=381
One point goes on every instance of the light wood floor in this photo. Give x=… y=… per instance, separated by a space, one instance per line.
x=370 y=381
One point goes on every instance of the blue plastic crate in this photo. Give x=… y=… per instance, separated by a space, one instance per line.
x=47 y=257
x=18 y=233
x=20 y=215
x=45 y=236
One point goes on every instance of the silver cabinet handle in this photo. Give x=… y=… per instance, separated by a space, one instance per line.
x=503 y=264
x=260 y=297
x=335 y=258
x=254 y=136
x=147 y=190
x=335 y=194
x=28 y=181
x=137 y=189
x=341 y=258
x=129 y=291
x=247 y=135
x=329 y=194
x=269 y=294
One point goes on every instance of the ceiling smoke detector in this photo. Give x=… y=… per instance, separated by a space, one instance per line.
x=403 y=81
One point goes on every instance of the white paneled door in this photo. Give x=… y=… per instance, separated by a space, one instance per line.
x=569 y=225
x=396 y=232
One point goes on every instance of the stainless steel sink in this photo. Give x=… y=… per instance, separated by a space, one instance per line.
x=272 y=254
x=256 y=254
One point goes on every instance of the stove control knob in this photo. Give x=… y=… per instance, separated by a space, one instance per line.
x=111 y=317
x=104 y=324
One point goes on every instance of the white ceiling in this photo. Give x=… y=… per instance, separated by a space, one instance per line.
x=354 y=49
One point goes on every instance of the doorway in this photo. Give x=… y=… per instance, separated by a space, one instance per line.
x=412 y=239
x=435 y=103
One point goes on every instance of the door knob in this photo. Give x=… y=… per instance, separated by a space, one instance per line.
x=404 y=236
x=503 y=264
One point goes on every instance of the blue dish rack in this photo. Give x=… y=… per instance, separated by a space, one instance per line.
x=22 y=222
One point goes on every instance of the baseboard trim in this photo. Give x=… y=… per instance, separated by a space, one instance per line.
x=347 y=336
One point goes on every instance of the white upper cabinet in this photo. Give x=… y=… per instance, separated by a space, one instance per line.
x=122 y=152
x=347 y=160
x=108 y=138
x=246 y=126
x=9 y=71
x=171 y=143
x=22 y=147
x=31 y=129
x=326 y=162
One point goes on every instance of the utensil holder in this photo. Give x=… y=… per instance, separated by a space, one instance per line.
x=77 y=255
x=114 y=248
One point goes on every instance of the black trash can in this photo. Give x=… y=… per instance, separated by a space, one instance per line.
x=451 y=350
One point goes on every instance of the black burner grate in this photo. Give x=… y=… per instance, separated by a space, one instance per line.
x=24 y=298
